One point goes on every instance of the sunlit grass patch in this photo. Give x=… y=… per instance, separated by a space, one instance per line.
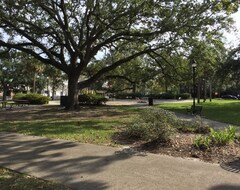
x=227 y=111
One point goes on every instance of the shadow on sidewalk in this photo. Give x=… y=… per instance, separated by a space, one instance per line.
x=225 y=187
x=67 y=162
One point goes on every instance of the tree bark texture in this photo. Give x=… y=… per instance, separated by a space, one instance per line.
x=72 y=101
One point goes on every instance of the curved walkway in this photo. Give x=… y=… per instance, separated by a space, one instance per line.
x=214 y=124
x=93 y=167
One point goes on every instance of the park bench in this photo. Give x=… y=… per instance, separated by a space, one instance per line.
x=9 y=104
x=197 y=110
x=3 y=104
x=20 y=102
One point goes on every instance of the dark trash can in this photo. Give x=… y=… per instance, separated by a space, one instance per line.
x=150 y=101
x=63 y=100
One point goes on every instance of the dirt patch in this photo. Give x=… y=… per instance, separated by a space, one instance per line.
x=41 y=112
x=182 y=146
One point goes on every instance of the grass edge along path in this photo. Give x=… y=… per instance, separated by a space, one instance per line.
x=226 y=111
x=13 y=180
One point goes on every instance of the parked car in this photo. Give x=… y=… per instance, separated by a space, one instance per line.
x=229 y=97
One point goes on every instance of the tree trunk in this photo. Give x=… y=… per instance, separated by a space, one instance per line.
x=134 y=90
x=205 y=90
x=34 y=83
x=210 y=91
x=72 y=100
x=4 y=98
x=48 y=92
x=199 y=91
x=166 y=86
x=53 y=92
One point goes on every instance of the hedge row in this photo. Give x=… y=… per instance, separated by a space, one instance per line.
x=33 y=98
x=91 y=99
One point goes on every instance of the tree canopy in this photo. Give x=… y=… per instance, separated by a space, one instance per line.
x=70 y=35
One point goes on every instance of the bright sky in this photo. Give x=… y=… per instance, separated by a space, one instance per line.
x=233 y=38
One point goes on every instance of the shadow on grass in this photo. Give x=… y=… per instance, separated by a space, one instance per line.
x=88 y=131
x=56 y=112
x=61 y=161
x=13 y=180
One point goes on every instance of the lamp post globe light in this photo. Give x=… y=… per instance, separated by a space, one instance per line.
x=194 y=65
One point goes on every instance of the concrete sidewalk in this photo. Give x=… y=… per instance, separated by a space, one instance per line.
x=214 y=124
x=211 y=123
x=93 y=167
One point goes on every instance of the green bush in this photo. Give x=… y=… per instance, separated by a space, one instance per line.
x=183 y=96
x=223 y=137
x=202 y=142
x=199 y=126
x=168 y=95
x=216 y=138
x=91 y=99
x=33 y=98
x=237 y=137
x=19 y=96
x=128 y=95
x=153 y=124
x=155 y=96
x=137 y=130
x=196 y=126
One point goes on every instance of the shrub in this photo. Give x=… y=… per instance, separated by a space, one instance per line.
x=202 y=142
x=218 y=138
x=33 y=98
x=137 y=130
x=155 y=96
x=237 y=137
x=19 y=96
x=91 y=99
x=167 y=95
x=223 y=137
x=128 y=95
x=183 y=96
x=196 y=126
x=37 y=99
x=153 y=124
x=199 y=126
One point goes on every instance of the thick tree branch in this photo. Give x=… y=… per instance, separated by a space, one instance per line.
x=101 y=72
x=21 y=47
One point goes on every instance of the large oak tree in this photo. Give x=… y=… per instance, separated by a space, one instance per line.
x=70 y=34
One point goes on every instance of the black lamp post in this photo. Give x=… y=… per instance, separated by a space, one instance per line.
x=194 y=65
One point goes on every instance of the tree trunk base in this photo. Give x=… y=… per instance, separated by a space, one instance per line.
x=76 y=107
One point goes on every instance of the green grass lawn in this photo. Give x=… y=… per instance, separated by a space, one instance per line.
x=227 y=111
x=97 y=131
x=98 y=128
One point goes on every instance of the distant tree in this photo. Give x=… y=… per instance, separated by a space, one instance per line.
x=55 y=78
x=69 y=34
x=6 y=76
x=229 y=71
x=209 y=54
